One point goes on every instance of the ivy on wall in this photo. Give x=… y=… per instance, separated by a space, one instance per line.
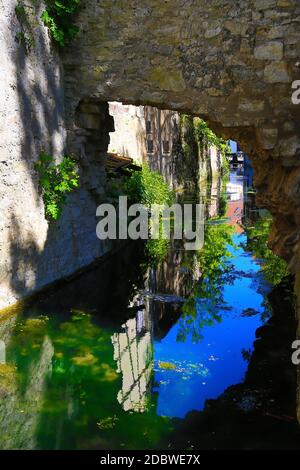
x=204 y=134
x=196 y=135
x=56 y=182
x=197 y=129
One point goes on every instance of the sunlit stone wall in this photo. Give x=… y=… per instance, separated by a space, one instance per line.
x=34 y=253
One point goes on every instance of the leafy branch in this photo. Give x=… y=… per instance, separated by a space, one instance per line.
x=56 y=181
x=58 y=17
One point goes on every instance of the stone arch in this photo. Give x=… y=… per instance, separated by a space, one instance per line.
x=232 y=63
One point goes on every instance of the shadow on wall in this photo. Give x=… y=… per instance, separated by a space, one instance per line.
x=33 y=252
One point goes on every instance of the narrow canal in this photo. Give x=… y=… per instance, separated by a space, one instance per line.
x=157 y=347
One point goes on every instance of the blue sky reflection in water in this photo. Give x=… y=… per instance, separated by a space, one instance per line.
x=192 y=371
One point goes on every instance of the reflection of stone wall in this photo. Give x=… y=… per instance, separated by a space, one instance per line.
x=19 y=408
x=133 y=353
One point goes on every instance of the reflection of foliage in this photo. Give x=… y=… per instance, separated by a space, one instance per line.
x=214 y=256
x=208 y=292
x=273 y=267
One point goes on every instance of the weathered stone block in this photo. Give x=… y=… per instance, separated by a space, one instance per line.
x=264 y=4
x=267 y=137
x=269 y=51
x=276 y=72
x=251 y=106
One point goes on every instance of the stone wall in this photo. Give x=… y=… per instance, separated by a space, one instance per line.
x=232 y=63
x=128 y=138
x=159 y=138
x=34 y=253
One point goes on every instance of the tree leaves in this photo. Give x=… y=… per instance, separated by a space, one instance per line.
x=58 y=19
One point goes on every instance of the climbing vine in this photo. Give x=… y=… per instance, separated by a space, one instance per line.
x=56 y=181
x=204 y=134
x=196 y=134
x=58 y=17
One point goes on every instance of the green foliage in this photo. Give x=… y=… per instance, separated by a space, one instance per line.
x=147 y=187
x=223 y=203
x=187 y=167
x=274 y=268
x=58 y=17
x=225 y=167
x=196 y=135
x=190 y=148
x=56 y=181
x=205 y=135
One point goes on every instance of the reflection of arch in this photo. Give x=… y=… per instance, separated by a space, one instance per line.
x=2 y=352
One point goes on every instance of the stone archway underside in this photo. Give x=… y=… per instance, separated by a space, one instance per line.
x=232 y=63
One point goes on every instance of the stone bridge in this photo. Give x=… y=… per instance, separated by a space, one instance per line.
x=232 y=63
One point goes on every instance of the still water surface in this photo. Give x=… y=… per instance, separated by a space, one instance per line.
x=111 y=359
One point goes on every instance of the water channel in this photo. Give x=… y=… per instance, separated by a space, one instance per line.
x=156 y=347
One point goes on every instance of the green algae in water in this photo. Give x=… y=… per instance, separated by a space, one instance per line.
x=65 y=390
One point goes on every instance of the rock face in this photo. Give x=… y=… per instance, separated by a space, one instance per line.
x=232 y=63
